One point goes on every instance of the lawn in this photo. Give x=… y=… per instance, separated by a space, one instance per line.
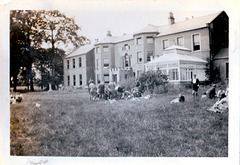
x=67 y=123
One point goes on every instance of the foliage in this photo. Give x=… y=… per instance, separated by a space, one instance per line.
x=152 y=79
x=128 y=83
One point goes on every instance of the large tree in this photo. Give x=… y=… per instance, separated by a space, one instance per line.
x=29 y=29
x=60 y=31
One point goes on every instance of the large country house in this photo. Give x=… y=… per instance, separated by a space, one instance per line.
x=179 y=49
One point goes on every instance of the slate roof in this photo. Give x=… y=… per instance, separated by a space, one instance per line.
x=80 y=50
x=190 y=24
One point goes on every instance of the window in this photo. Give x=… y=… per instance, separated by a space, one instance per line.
x=67 y=64
x=180 y=41
x=173 y=74
x=139 y=57
x=139 y=41
x=227 y=70
x=73 y=63
x=97 y=63
x=127 y=60
x=105 y=62
x=150 y=40
x=196 y=42
x=68 y=80
x=98 y=78
x=97 y=50
x=106 y=78
x=80 y=79
x=126 y=76
x=165 y=44
x=149 y=55
x=105 y=49
x=74 y=80
x=126 y=47
x=80 y=62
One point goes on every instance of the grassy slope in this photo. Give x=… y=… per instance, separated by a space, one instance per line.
x=68 y=124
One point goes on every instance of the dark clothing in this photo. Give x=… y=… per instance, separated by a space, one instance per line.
x=195 y=84
x=211 y=93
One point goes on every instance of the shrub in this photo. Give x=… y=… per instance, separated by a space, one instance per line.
x=153 y=80
x=128 y=83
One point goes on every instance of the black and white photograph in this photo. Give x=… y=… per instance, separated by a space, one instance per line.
x=120 y=82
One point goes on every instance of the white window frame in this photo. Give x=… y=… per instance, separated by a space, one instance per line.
x=80 y=62
x=68 y=64
x=138 y=59
x=139 y=41
x=106 y=63
x=73 y=60
x=182 y=39
x=80 y=80
x=193 y=42
x=163 y=45
x=152 y=40
x=105 y=49
x=98 y=50
x=74 y=80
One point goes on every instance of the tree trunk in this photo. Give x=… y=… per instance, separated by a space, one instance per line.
x=31 y=78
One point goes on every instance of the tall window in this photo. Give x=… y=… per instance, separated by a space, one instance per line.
x=127 y=60
x=149 y=55
x=227 y=70
x=165 y=44
x=106 y=78
x=173 y=74
x=105 y=49
x=97 y=63
x=139 y=41
x=106 y=62
x=74 y=80
x=180 y=41
x=73 y=63
x=149 y=40
x=80 y=79
x=196 y=42
x=67 y=64
x=68 y=80
x=98 y=78
x=97 y=50
x=139 y=57
x=80 y=62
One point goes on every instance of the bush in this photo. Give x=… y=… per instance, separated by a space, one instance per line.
x=153 y=81
x=128 y=83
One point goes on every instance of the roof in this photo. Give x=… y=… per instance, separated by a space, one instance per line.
x=186 y=25
x=172 y=55
x=177 y=47
x=190 y=24
x=222 y=54
x=80 y=50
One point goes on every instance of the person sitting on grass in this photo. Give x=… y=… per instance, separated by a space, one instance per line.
x=221 y=94
x=211 y=93
x=180 y=99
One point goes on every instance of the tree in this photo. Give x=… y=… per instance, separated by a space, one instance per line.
x=59 y=31
x=24 y=38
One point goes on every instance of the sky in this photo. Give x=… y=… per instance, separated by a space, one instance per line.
x=96 y=17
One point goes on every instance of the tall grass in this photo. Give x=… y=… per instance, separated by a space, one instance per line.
x=69 y=124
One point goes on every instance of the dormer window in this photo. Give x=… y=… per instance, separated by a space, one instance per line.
x=105 y=49
x=139 y=41
x=180 y=41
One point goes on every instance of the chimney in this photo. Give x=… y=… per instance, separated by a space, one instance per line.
x=109 y=33
x=96 y=40
x=171 y=19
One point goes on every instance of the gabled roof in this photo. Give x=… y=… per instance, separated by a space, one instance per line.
x=190 y=24
x=149 y=29
x=80 y=50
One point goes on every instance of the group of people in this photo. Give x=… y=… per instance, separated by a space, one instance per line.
x=111 y=91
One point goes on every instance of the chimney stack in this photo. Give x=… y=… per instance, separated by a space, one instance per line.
x=109 y=33
x=171 y=19
x=96 y=40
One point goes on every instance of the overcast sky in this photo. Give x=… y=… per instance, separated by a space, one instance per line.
x=120 y=16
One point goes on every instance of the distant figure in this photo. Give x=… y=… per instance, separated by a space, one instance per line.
x=101 y=90
x=211 y=93
x=90 y=82
x=92 y=91
x=119 y=89
x=180 y=99
x=195 y=85
x=111 y=90
x=221 y=94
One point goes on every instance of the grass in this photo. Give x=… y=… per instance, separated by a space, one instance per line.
x=68 y=124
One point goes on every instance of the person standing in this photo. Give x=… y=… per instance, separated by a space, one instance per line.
x=195 y=85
